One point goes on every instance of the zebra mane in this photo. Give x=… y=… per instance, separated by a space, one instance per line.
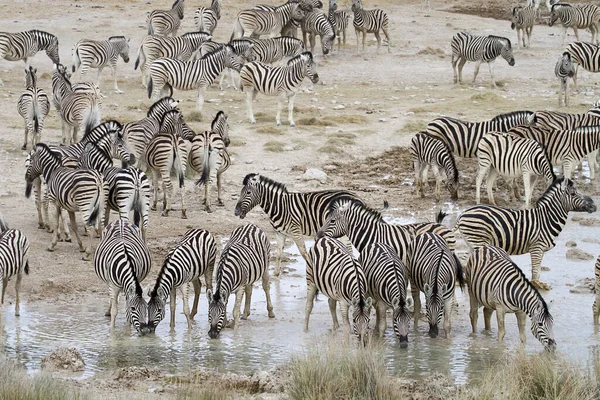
x=359 y=282
x=161 y=274
x=547 y=157
x=116 y=38
x=501 y=38
x=169 y=112
x=104 y=153
x=520 y=272
x=513 y=115
x=176 y=2
x=219 y=115
x=31 y=73
x=217 y=287
x=551 y=190
x=158 y=103
x=559 y=5
x=295 y=59
x=370 y=212
x=107 y=125
x=452 y=159
x=215 y=51
x=37 y=32
x=396 y=258
x=268 y=182
x=435 y=288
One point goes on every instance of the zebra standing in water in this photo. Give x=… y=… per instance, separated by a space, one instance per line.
x=244 y=260
x=277 y=81
x=192 y=257
x=386 y=284
x=73 y=190
x=370 y=21
x=206 y=18
x=498 y=284
x=166 y=22
x=564 y=70
x=428 y=150
x=585 y=54
x=523 y=20
x=332 y=270
x=467 y=47
x=23 y=45
x=180 y=48
x=291 y=214
x=596 y=306
x=434 y=270
x=33 y=106
x=585 y=17
x=268 y=22
x=511 y=156
x=316 y=23
x=122 y=260
x=99 y=54
x=525 y=231
x=339 y=19
x=14 y=259
x=189 y=75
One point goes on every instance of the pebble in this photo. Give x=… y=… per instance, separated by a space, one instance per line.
x=571 y=243
x=314 y=174
x=339 y=107
x=382 y=120
x=576 y=254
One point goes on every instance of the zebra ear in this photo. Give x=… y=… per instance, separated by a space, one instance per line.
x=410 y=305
x=396 y=302
x=368 y=302
x=354 y=302
x=427 y=289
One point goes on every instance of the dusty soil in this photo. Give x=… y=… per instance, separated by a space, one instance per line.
x=363 y=147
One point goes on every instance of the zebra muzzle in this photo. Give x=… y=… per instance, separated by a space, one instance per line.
x=433 y=331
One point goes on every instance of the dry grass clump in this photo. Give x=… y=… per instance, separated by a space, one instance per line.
x=16 y=384
x=204 y=394
x=274 y=146
x=434 y=51
x=236 y=141
x=194 y=116
x=487 y=97
x=313 y=121
x=414 y=126
x=270 y=130
x=347 y=119
x=340 y=371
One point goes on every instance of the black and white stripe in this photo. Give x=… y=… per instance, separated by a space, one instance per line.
x=370 y=21
x=23 y=45
x=292 y=214
x=427 y=150
x=189 y=259
x=258 y=22
x=100 y=54
x=511 y=156
x=467 y=47
x=332 y=270
x=586 y=55
x=596 y=306
x=498 y=284
x=563 y=70
x=283 y=82
x=525 y=231
x=14 y=259
x=586 y=16
x=206 y=18
x=316 y=23
x=244 y=260
x=523 y=20
x=33 y=106
x=122 y=261
x=387 y=280
x=166 y=22
x=270 y=51
x=339 y=19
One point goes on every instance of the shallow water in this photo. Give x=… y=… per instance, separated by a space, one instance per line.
x=261 y=343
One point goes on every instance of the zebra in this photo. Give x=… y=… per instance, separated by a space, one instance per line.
x=206 y=18
x=370 y=21
x=14 y=259
x=363 y=225
x=270 y=51
x=525 y=231
x=291 y=28
x=293 y=214
x=73 y=190
x=208 y=153
x=192 y=257
x=182 y=75
x=98 y=155
x=181 y=48
x=242 y=47
x=596 y=305
x=467 y=47
x=434 y=270
x=462 y=137
x=332 y=270
x=277 y=81
x=23 y=45
x=61 y=86
x=386 y=284
x=244 y=260
x=498 y=284
x=586 y=55
x=564 y=148
x=316 y=23
x=122 y=260
x=523 y=20
x=584 y=17
x=33 y=106
x=339 y=19
x=564 y=70
x=166 y=22
x=268 y=22
x=511 y=156
x=99 y=54
x=427 y=150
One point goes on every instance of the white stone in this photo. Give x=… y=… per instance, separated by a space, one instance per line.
x=314 y=174
x=339 y=107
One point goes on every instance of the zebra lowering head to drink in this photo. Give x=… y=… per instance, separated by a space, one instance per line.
x=498 y=284
x=332 y=270
x=523 y=20
x=33 y=106
x=525 y=231
x=467 y=47
x=14 y=259
x=564 y=70
x=244 y=260
x=283 y=82
x=166 y=22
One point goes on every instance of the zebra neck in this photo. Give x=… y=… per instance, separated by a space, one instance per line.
x=217 y=60
x=298 y=72
x=272 y=201
x=43 y=41
x=49 y=168
x=361 y=229
x=284 y=13
x=552 y=217
x=526 y=299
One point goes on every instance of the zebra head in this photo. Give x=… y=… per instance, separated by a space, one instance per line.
x=515 y=17
x=232 y=59
x=337 y=221
x=361 y=311
x=136 y=309
x=221 y=126
x=122 y=44
x=541 y=326
x=571 y=199
x=172 y=122
x=156 y=310
x=30 y=77
x=327 y=41
x=217 y=308
x=507 y=52
x=401 y=319
x=309 y=64
x=565 y=65
x=434 y=306
x=556 y=13
x=40 y=159
x=356 y=5
x=249 y=196
x=178 y=5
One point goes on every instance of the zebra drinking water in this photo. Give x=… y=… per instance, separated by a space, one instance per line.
x=564 y=70
x=166 y=22
x=244 y=260
x=33 y=106
x=498 y=284
x=14 y=260
x=370 y=21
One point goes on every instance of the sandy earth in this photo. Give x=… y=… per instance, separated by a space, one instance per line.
x=362 y=147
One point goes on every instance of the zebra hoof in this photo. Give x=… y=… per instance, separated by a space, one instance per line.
x=271 y=314
x=24 y=147
x=165 y=213
x=220 y=203
x=208 y=209
x=183 y=214
x=50 y=249
x=42 y=226
x=68 y=240
x=545 y=268
x=252 y=122
x=153 y=208
x=119 y=91
x=293 y=125
x=540 y=285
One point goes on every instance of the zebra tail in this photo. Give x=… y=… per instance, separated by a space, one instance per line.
x=177 y=163
x=149 y=85
x=238 y=30
x=91 y=119
x=137 y=204
x=386 y=205
x=3 y=224
x=76 y=60
x=459 y=273
x=139 y=55
x=440 y=216
x=26 y=269
x=97 y=210
x=150 y=27
x=205 y=167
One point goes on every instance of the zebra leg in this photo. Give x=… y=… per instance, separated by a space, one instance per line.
x=37 y=185
x=487 y=318
x=17 y=287
x=474 y=307
x=592 y=163
x=280 y=98
x=418 y=181
x=98 y=77
x=560 y=92
x=248 y=295
x=357 y=40
x=521 y=322
x=564 y=35
x=219 y=199
x=249 y=97
x=280 y=237
x=500 y=313
x=114 y=72
x=197 y=289
x=416 y=295
x=344 y=308
x=173 y=305
x=108 y=310
x=491 y=179
x=387 y=38
x=4 y=285
x=537 y=255
x=481 y=172
x=55 y=229
x=201 y=90
x=332 y=309
x=301 y=246
x=380 y=320
x=477 y=65
x=73 y=228
x=185 y=292
x=114 y=301
x=378 y=37
x=528 y=186
x=438 y=182
x=291 y=98
x=447 y=315
x=167 y=193
x=566 y=91
x=576 y=33
x=154 y=189
x=236 y=308
x=311 y=292
x=491 y=68
x=461 y=64
x=454 y=62
x=24 y=147
x=364 y=38
x=267 y=289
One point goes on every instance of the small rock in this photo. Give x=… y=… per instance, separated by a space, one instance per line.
x=63 y=358
x=339 y=107
x=288 y=148
x=382 y=120
x=576 y=254
x=590 y=222
x=591 y=240
x=429 y=101
x=213 y=100
x=544 y=268
x=249 y=161
x=571 y=243
x=584 y=286
x=329 y=167
x=314 y=174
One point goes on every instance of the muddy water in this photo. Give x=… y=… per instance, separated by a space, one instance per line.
x=261 y=343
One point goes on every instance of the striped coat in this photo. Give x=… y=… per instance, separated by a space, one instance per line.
x=14 y=259
x=33 y=106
